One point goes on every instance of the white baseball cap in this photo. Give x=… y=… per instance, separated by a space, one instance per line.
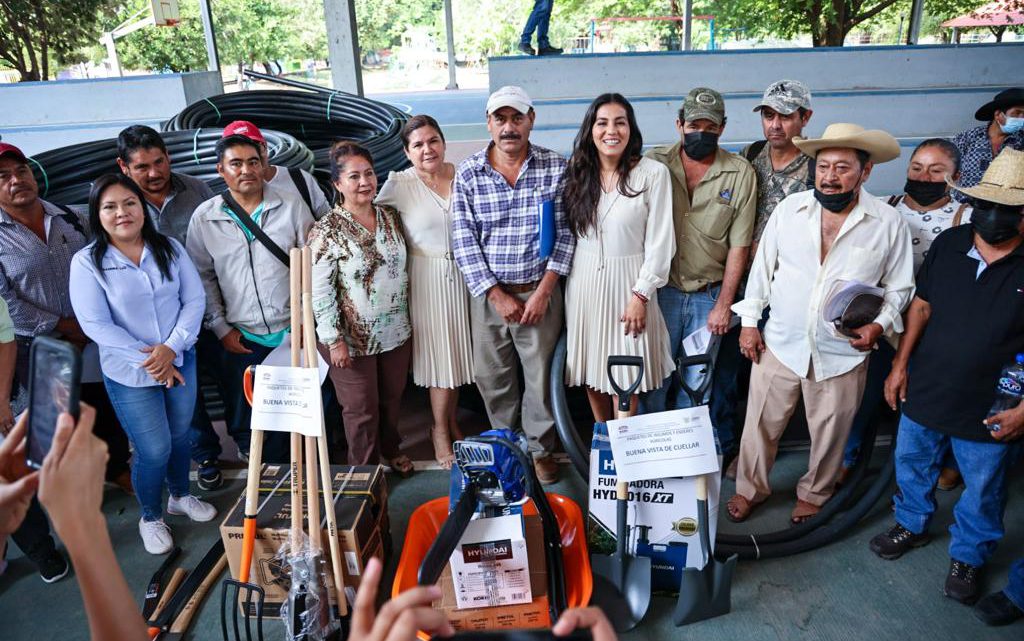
x=509 y=96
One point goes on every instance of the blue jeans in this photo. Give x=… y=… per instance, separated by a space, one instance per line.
x=157 y=421
x=978 y=515
x=539 y=19
x=684 y=314
x=276 y=445
x=724 y=390
x=1015 y=588
x=874 y=392
x=209 y=361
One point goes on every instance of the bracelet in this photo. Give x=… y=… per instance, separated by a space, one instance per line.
x=643 y=299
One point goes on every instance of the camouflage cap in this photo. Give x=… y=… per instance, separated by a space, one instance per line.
x=785 y=97
x=704 y=104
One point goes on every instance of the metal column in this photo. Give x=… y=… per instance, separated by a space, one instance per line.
x=212 y=57
x=343 y=45
x=914 y=30
x=450 y=34
x=688 y=25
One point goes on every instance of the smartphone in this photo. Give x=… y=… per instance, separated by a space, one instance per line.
x=55 y=374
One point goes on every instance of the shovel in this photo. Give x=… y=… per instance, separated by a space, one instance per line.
x=705 y=593
x=622 y=582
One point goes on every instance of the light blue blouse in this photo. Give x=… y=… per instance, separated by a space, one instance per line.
x=126 y=307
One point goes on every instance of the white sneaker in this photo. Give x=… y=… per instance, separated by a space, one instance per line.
x=156 y=536
x=193 y=508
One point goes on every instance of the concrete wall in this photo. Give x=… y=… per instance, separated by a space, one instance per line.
x=912 y=92
x=44 y=115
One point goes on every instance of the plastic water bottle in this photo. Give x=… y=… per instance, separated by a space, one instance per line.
x=1009 y=390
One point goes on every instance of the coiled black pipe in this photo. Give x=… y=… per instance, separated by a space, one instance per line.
x=846 y=508
x=318 y=117
x=65 y=175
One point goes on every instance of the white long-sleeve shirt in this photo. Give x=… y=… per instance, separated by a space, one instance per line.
x=873 y=246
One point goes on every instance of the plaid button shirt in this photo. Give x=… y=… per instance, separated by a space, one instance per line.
x=495 y=233
x=34 y=278
x=976 y=155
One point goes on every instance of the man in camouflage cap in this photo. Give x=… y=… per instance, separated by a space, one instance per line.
x=713 y=201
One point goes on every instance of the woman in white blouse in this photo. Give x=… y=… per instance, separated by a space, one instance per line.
x=442 y=358
x=619 y=206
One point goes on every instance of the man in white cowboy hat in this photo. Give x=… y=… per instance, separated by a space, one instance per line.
x=813 y=241
x=965 y=324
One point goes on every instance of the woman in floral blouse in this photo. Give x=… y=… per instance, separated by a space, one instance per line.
x=360 y=300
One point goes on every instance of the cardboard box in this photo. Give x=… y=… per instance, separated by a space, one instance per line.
x=360 y=515
x=662 y=517
x=527 y=615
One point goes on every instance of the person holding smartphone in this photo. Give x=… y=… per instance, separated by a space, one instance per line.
x=139 y=297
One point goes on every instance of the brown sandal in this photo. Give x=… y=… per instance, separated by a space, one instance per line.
x=738 y=508
x=803 y=511
x=402 y=466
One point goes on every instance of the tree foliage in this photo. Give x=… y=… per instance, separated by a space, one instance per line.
x=34 y=31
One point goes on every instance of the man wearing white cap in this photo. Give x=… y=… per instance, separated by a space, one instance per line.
x=965 y=324
x=512 y=263
x=813 y=242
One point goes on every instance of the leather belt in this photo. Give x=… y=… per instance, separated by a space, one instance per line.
x=520 y=289
x=706 y=287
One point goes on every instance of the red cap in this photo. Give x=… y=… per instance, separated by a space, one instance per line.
x=244 y=128
x=7 y=148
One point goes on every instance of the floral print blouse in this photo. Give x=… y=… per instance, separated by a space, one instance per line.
x=360 y=286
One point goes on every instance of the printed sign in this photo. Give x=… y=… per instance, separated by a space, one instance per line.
x=286 y=399
x=664 y=445
x=490 y=566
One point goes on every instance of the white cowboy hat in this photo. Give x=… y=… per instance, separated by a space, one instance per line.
x=1003 y=181
x=881 y=146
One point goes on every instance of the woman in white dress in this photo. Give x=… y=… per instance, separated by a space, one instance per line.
x=619 y=205
x=442 y=358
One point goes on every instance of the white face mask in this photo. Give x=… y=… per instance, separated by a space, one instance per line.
x=1012 y=125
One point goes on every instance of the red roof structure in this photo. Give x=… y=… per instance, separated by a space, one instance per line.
x=1001 y=13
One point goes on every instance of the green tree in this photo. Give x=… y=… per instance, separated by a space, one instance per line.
x=34 y=31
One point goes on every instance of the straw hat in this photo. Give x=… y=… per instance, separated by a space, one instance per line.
x=1003 y=181
x=881 y=146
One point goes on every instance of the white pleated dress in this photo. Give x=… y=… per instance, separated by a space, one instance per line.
x=442 y=347
x=630 y=249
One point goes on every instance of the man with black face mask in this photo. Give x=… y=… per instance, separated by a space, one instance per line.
x=964 y=325
x=714 y=201
x=815 y=240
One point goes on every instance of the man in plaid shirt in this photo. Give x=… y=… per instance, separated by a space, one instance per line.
x=517 y=306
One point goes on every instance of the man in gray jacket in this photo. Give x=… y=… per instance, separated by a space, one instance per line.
x=244 y=273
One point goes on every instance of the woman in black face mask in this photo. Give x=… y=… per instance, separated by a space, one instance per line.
x=926 y=204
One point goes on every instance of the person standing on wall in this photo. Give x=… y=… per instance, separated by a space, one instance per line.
x=442 y=357
x=500 y=195
x=137 y=294
x=619 y=206
x=540 y=18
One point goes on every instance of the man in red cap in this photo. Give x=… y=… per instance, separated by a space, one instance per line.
x=37 y=241
x=289 y=179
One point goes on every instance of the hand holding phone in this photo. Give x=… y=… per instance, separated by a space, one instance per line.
x=55 y=376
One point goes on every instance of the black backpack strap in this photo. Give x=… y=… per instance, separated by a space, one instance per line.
x=895 y=199
x=300 y=184
x=70 y=217
x=246 y=221
x=754 y=149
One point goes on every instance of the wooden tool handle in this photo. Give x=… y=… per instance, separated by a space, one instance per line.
x=702 y=487
x=309 y=346
x=185 y=616
x=295 y=290
x=173 y=584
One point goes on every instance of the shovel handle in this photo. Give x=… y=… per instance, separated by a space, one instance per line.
x=621 y=510
x=702 y=487
x=247 y=377
x=624 y=393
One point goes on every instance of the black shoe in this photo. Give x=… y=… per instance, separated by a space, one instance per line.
x=962 y=582
x=526 y=48
x=209 y=476
x=897 y=540
x=997 y=609
x=52 y=566
x=549 y=51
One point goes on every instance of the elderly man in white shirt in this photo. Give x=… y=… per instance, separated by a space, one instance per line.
x=835 y=232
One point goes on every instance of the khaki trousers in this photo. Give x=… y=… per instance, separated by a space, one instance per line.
x=496 y=347
x=830 y=407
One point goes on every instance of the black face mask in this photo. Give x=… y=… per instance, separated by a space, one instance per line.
x=924 y=192
x=835 y=203
x=700 y=144
x=996 y=224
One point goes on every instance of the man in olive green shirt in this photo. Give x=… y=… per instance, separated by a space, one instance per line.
x=714 y=200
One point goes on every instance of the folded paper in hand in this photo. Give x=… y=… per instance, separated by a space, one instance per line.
x=851 y=304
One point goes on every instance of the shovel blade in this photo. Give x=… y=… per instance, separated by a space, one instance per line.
x=622 y=588
x=705 y=593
